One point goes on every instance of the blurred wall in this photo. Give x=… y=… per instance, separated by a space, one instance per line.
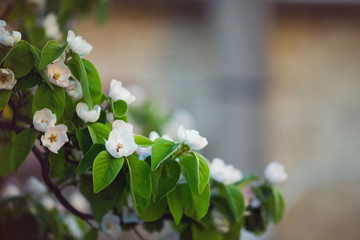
x=313 y=116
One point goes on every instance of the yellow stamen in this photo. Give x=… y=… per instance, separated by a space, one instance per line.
x=56 y=76
x=53 y=138
x=3 y=79
x=44 y=121
x=118 y=147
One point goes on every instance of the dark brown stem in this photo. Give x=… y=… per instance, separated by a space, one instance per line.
x=45 y=168
x=10 y=126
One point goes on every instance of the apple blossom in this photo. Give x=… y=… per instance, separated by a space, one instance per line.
x=48 y=202
x=58 y=73
x=110 y=225
x=79 y=202
x=122 y=125
x=7 y=39
x=191 y=138
x=78 y=44
x=221 y=223
x=121 y=143
x=73 y=226
x=225 y=173
x=74 y=90
x=154 y=135
x=117 y=92
x=129 y=214
x=43 y=119
x=51 y=26
x=7 y=79
x=34 y=187
x=275 y=173
x=55 y=137
x=10 y=191
x=87 y=115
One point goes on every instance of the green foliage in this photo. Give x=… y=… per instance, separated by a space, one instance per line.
x=54 y=99
x=154 y=211
x=176 y=206
x=160 y=151
x=105 y=169
x=28 y=81
x=164 y=179
x=88 y=159
x=274 y=202
x=77 y=68
x=204 y=171
x=93 y=77
x=99 y=132
x=92 y=234
x=22 y=146
x=51 y=51
x=84 y=139
x=140 y=183
x=142 y=141
x=57 y=164
x=5 y=166
x=19 y=60
x=4 y=98
x=234 y=199
x=119 y=108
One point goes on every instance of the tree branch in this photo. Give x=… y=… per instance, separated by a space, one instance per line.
x=10 y=126
x=45 y=168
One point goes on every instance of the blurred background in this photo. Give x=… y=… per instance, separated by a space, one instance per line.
x=264 y=81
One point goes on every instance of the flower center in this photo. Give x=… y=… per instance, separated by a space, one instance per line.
x=56 y=76
x=44 y=121
x=118 y=147
x=3 y=79
x=53 y=138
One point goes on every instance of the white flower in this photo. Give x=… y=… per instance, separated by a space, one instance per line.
x=110 y=225
x=43 y=119
x=143 y=152
x=78 y=201
x=73 y=226
x=191 y=138
x=154 y=135
x=7 y=79
x=55 y=137
x=121 y=140
x=221 y=223
x=10 y=191
x=51 y=26
x=58 y=73
x=34 y=187
x=48 y=202
x=122 y=125
x=117 y=92
x=250 y=198
x=179 y=117
x=7 y=39
x=74 y=90
x=225 y=173
x=275 y=173
x=78 y=44
x=87 y=115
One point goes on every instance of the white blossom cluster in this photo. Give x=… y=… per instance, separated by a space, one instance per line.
x=6 y=38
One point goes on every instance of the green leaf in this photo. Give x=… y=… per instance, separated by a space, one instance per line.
x=140 y=183
x=154 y=211
x=200 y=233
x=4 y=98
x=51 y=51
x=52 y=99
x=57 y=164
x=164 y=179
x=234 y=199
x=142 y=141
x=19 y=60
x=22 y=146
x=176 y=205
x=274 y=203
x=84 y=139
x=115 y=188
x=204 y=171
x=95 y=87
x=88 y=159
x=99 y=132
x=28 y=81
x=78 y=70
x=160 y=151
x=92 y=234
x=69 y=109
x=246 y=180
x=201 y=201
x=119 y=108
x=105 y=169
x=5 y=167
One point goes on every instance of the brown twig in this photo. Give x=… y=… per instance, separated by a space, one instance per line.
x=45 y=168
